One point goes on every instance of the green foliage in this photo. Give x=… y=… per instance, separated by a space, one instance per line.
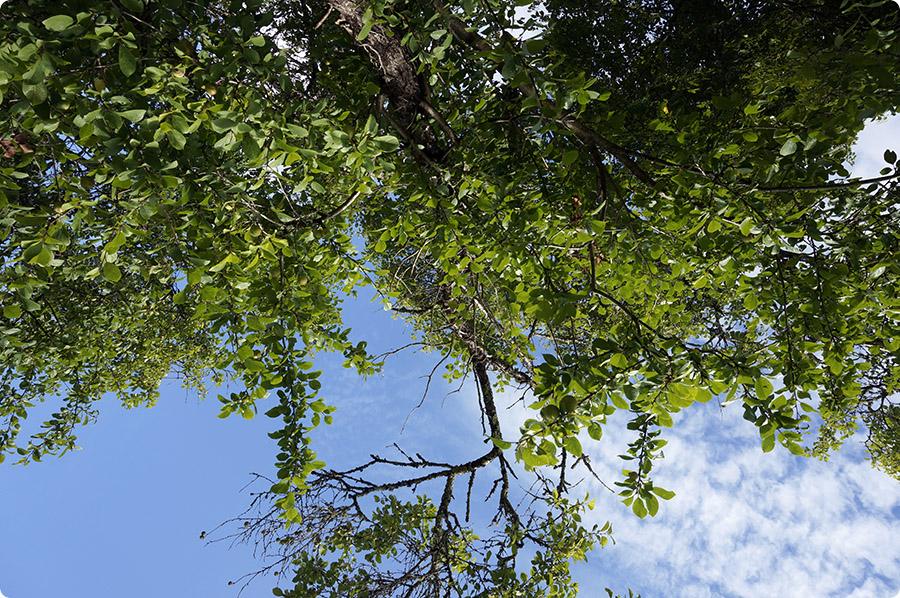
x=884 y=438
x=141 y=215
x=617 y=214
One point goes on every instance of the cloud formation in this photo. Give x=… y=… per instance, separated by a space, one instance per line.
x=745 y=523
x=871 y=143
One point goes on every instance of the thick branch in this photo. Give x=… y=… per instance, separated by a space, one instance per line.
x=400 y=81
x=487 y=395
x=480 y=353
x=387 y=56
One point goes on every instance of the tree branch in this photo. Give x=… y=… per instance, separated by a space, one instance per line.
x=584 y=133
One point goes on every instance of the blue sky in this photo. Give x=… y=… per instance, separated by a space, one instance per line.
x=124 y=515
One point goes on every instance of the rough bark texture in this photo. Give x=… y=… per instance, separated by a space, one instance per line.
x=400 y=83
x=388 y=57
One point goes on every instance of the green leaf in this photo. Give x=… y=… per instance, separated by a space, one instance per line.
x=250 y=147
x=194 y=277
x=663 y=493
x=535 y=46
x=133 y=115
x=570 y=157
x=133 y=5
x=58 y=23
x=619 y=360
x=364 y=32
x=127 y=62
x=220 y=125
x=39 y=71
x=36 y=94
x=768 y=443
x=789 y=147
x=111 y=272
x=703 y=395
x=386 y=143
x=572 y=445
x=113 y=245
x=179 y=123
x=176 y=139
x=618 y=401
x=44 y=257
x=796 y=449
x=664 y=419
x=501 y=444
x=254 y=365
x=890 y=156
x=180 y=297
x=763 y=388
x=228 y=259
x=638 y=507
x=12 y=312
x=31 y=252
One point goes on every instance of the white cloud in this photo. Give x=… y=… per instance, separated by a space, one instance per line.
x=873 y=140
x=745 y=523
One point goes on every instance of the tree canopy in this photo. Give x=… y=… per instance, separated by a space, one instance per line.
x=634 y=205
